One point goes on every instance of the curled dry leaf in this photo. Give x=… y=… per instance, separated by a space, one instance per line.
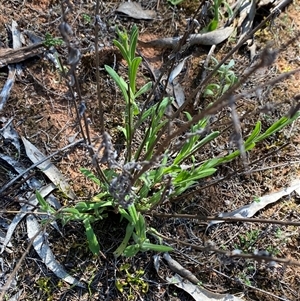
x=16 y=296
x=179 y=269
x=48 y=168
x=4 y=95
x=198 y=292
x=135 y=11
x=9 y=133
x=11 y=69
x=41 y=246
x=174 y=87
x=32 y=202
x=260 y=203
x=210 y=38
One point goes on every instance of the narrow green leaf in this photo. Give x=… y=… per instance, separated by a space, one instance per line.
x=44 y=205
x=86 y=206
x=144 y=192
x=123 y=51
x=235 y=154
x=70 y=210
x=188 y=116
x=125 y=214
x=132 y=72
x=254 y=133
x=190 y=147
x=144 y=89
x=277 y=126
x=88 y=174
x=147 y=113
x=161 y=170
x=157 y=248
x=141 y=228
x=91 y=237
x=209 y=164
x=133 y=41
x=119 y=251
x=213 y=25
x=130 y=251
x=119 y=285
x=118 y=80
x=133 y=213
x=185 y=177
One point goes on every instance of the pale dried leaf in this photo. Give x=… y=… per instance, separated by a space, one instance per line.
x=16 y=296
x=4 y=95
x=178 y=268
x=2 y=238
x=210 y=38
x=199 y=293
x=135 y=11
x=156 y=262
x=11 y=230
x=251 y=209
x=176 y=71
x=296 y=182
x=16 y=35
x=247 y=14
x=178 y=95
x=41 y=246
x=32 y=202
x=48 y=168
x=9 y=133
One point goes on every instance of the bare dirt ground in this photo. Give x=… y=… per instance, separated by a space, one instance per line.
x=43 y=112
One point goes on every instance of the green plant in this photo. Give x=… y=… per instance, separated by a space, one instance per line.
x=278 y=233
x=86 y=18
x=156 y=168
x=248 y=240
x=127 y=46
x=226 y=77
x=273 y=250
x=51 y=41
x=256 y=199
x=244 y=279
x=213 y=24
x=131 y=282
x=175 y=2
x=44 y=285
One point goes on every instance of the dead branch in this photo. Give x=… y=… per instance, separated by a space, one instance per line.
x=11 y=56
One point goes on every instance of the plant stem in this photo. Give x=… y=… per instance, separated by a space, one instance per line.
x=100 y=104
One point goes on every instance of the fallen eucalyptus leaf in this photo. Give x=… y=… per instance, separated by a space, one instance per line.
x=12 y=69
x=2 y=238
x=296 y=182
x=48 y=168
x=32 y=203
x=134 y=10
x=260 y=203
x=4 y=95
x=179 y=269
x=247 y=14
x=16 y=296
x=41 y=246
x=9 y=133
x=156 y=262
x=176 y=71
x=33 y=183
x=179 y=96
x=199 y=293
x=174 y=88
x=210 y=38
